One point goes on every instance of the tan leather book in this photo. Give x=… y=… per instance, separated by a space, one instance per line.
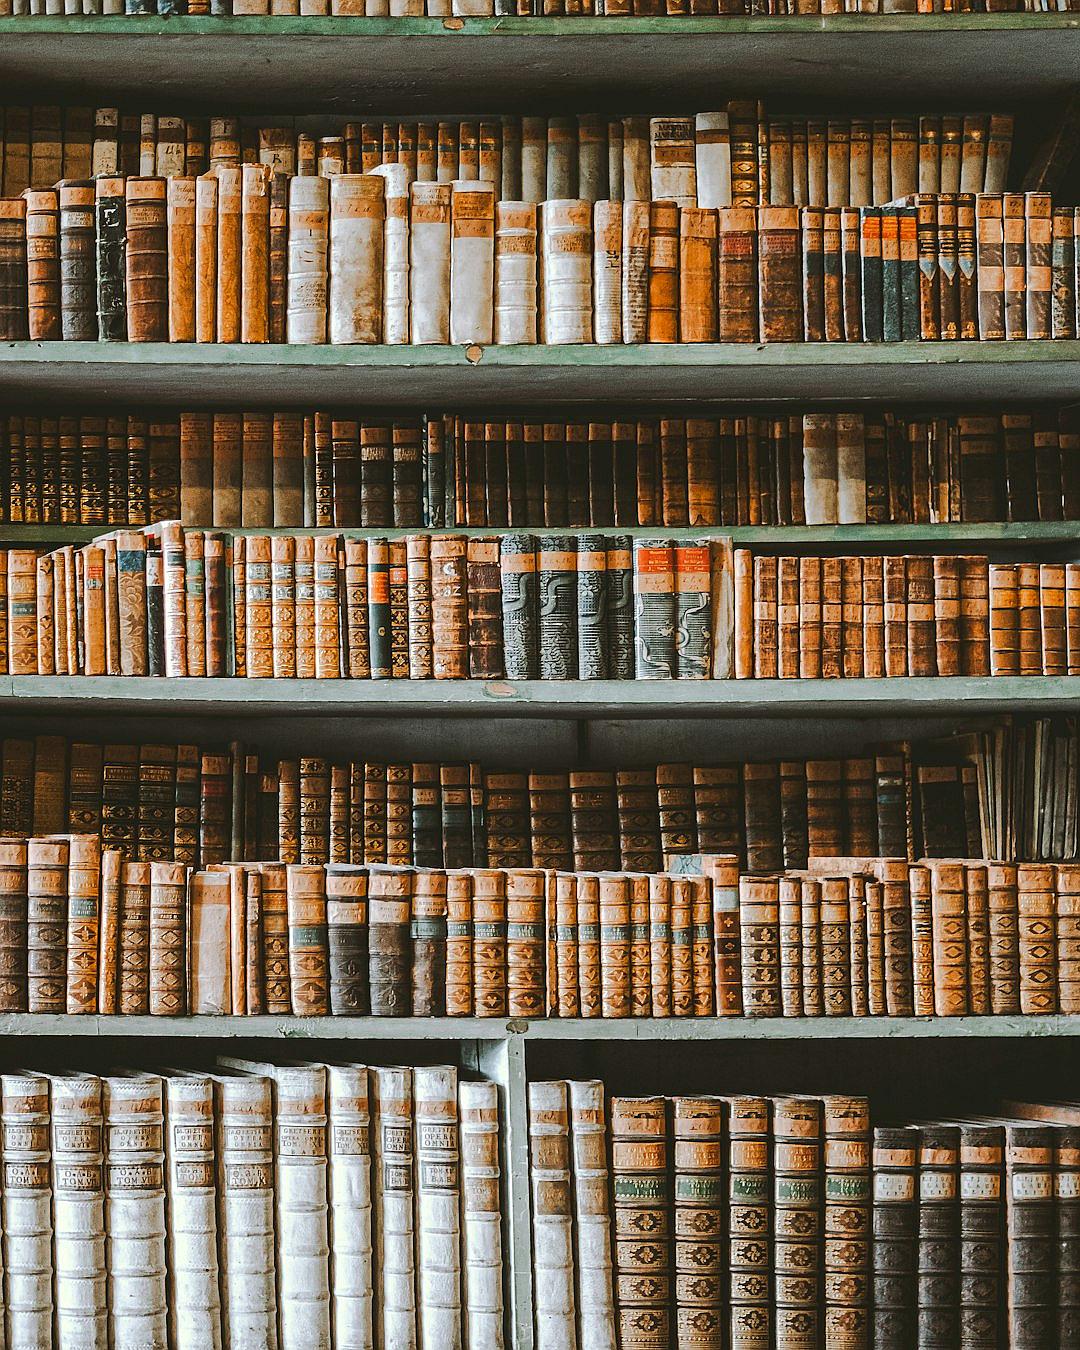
x=663 y=273
x=134 y=940
x=229 y=253
x=1004 y=619
x=46 y=890
x=1037 y=948
x=255 y=253
x=238 y=545
x=108 y=952
x=974 y=616
x=1067 y=887
x=851 y=618
x=1004 y=951
x=489 y=943
x=1029 y=618
x=697 y=275
x=682 y=966
x=950 y=948
x=43 y=265
x=174 y=598
x=567 y=986
x=304 y=602
x=1052 y=611
x=327 y=582
x=737 y=277
x=283 y=605
x=206 y=260
x=259 y=649
x=449 y=608
x=588 y=946
x=766 y=666
x=168 y=960
x=459 y=944
x=660 y=944
x=181 y=233
x=195 y=602
x=788 y=620
x=45 y=661
x=146 y=254
x=642 y=1219
x=947 y=615
x=873 y=618
x=308 y=954
x=525 y=902
x=566 y=312
x=357 y=643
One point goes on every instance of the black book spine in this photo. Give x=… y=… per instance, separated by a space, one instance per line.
x=895 y=1221
x=78 y=278
x=1067 y=1175
x=871 y=279
x=982 y=1155
x=111 y=217
x=891 y=325
x=592 y=607
x=620 y=607
x=938 y=1237
x=379 y=640
x=155 y=609
x=908 y=218
x=517 y=568
x=557 y=629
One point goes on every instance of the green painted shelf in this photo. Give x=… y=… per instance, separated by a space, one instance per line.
x=550 y=1030
x=1060 y=533
x=235 y=375
x=409 y=65
x=620 y=699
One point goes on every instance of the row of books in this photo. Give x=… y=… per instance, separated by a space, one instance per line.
x=242 y=256
x=83 y=931
x=791 y=1221
x=252 y=1204
x=497 y=468
x=526 y=8
x=525 y=607
x=917 y=614
x=741 y=155
x=1006 y=792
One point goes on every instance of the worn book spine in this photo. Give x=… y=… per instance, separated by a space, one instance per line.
x=83 y=923
x=47 y=887
x=146 y=260
x=427 y=932
x=192 y=1236
x=394 y=1198
x=642 y=1220
x=438 y=1213
x=350 y=1184
x=1031 y=1230
x=135 y=1209
x=481 y=1214
x=389 y=959
x=307 y=929
x=355 y=258
x=245 y=1147
x=27 y=1208
x=110 y=217
x=43 y=264
x=552 y=1219
x=78 y=1186
x=895 y=1213
x=797 y=1248
x=750 y=1217
x=308 y=258
x=472 y=262
x=938 y=1245
x=168 y=983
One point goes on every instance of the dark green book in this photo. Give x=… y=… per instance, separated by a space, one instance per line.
x=592 y=607
x=520 y=587
x=891 y=323
x=557 y=629
x=907 y=223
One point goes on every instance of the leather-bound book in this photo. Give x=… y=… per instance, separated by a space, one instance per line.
x=489 y=943
x=427 y=932
x=133 y=960
x=146 y=283
x=593 y=820
x=1063 y=274
x=277 y=256
x=591 y=607
x=449 y=605
x=13 y=271
x=275 y=938
x=698 y=1227
x=749 y=1223
x=168 y=963
x=848 y=1217
x=797 y=1247
x=811 y=221
x=1037 y=939
x=517 y=567
x=347 y=939
x=780 y=283
x=1029 y=619
x=1052 y=613
x=181 y=273
x=791 y=946
x=1031 y=1317
x=620 y=608
x=851 y=273
x=895 y=1219
x=472 y=255
x=871 y=280
x=759 y=917
x=990 y=247
x=660 y=944
x=229 y=235
x=938 y=1235
x=836 y=943
x=564 y=981
x=1015 y=264
x=737 y=275
x=693 y=610
x=459 y=945
x=851 y=618
x=46 y=923
x=982 y=1212
x=1068 y=970
x=309 y=975
x=967 y=279
x=525 y=903
x=588 y=946
x=43 y=264
x=389 y=961
x=813 y=999
x=642 y=1214
x=484 y=609
x=697 y=275
x=1038 y=239
x=13 y=925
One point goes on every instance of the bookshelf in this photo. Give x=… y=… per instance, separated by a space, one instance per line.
x=542 y=699
x=418 y=65
x=228 y=375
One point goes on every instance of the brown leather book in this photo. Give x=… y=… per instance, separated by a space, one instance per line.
x=13 y=271
x=851 y=617
x=389 y=962
x=168 y=950
x=697 y=275
x=229 y=299
x=663 y=273
x=255 y=253
x=134 y=938
x=347 y=938
x=43 y=264
x=459 y=944
x=146 y=277
x=525 y=943
x=947 y=615
x=47 y=883
x=779 y=274
x=489 y=943
x=642 y=1219
x=449 y=606
x=180 y=220
x=1029 y=618
x=1037 y=948
x=428 y=941
x=309 y=963
x=920 y=615
x=484 y=609
x=13 y=925
x=737 y=279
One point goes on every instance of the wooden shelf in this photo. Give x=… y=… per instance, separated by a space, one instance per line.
x=997 y=535
x=554 y=1030
x=419 y=64
x=234 y=375
x=619 y=699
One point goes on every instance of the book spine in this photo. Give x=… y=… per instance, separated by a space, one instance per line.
x=191 y=1191
x=750 y=1220
x=394 y=1199
x=895 y=1217
x=308 y=951
x=439 y=1222
x=349 y=1162
x=428 y=940
x=47 y=888
x=642 y=1215
x=245 y=1146
x=27 y=1208
x=797 y=1249
x=347 y=939
x=1031 y=1231
x=389 y=958
x=481 y=1220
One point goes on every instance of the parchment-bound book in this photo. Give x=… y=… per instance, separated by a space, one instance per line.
x=351 y=1293
x=135 y=1211
x=245 y=1147
x=515 y=272
x=308 y=256
x=191 y=1170
x=472 y=262
x=552 y=1217
x=27 y=1209
x=357 y=234
x=592 y=1216
x=482 y=1215
x=396 y=256
x=567 y=271
x=429 y=243
x=78 y=1184
x=607 y=271
x=438 y=1208
x=393 y=1203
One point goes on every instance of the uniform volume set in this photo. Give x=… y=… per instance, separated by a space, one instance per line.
x=84 y=931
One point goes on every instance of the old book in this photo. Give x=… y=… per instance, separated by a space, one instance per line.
x=110 y=217
x=308 y=953
x=43 y=265
x=146 y=260
x=27 y=1208
x=472 y=255
x=46 y=889
x=308 y=258
x=135 y=1209
x=427 y=933
x=349 y=1166
x=749 y=1223
x=438 y=1169
x=78 y=1186
x=191 y=1192
x=245 y=1146
x=1031 y=1232
x=481 y=1221
x=895 y=1215
x=389 y=963
x=355 y=257
x=938 y=1238
x=797 y=1247
x=642 y=1215
x=567 y=307
x=393 y=1201
x=662 y=285
x=553 y=1268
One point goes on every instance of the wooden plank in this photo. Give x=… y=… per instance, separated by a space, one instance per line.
x=410 y=64
x=624 y=699
x=232 y=375
x=1002 y=534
